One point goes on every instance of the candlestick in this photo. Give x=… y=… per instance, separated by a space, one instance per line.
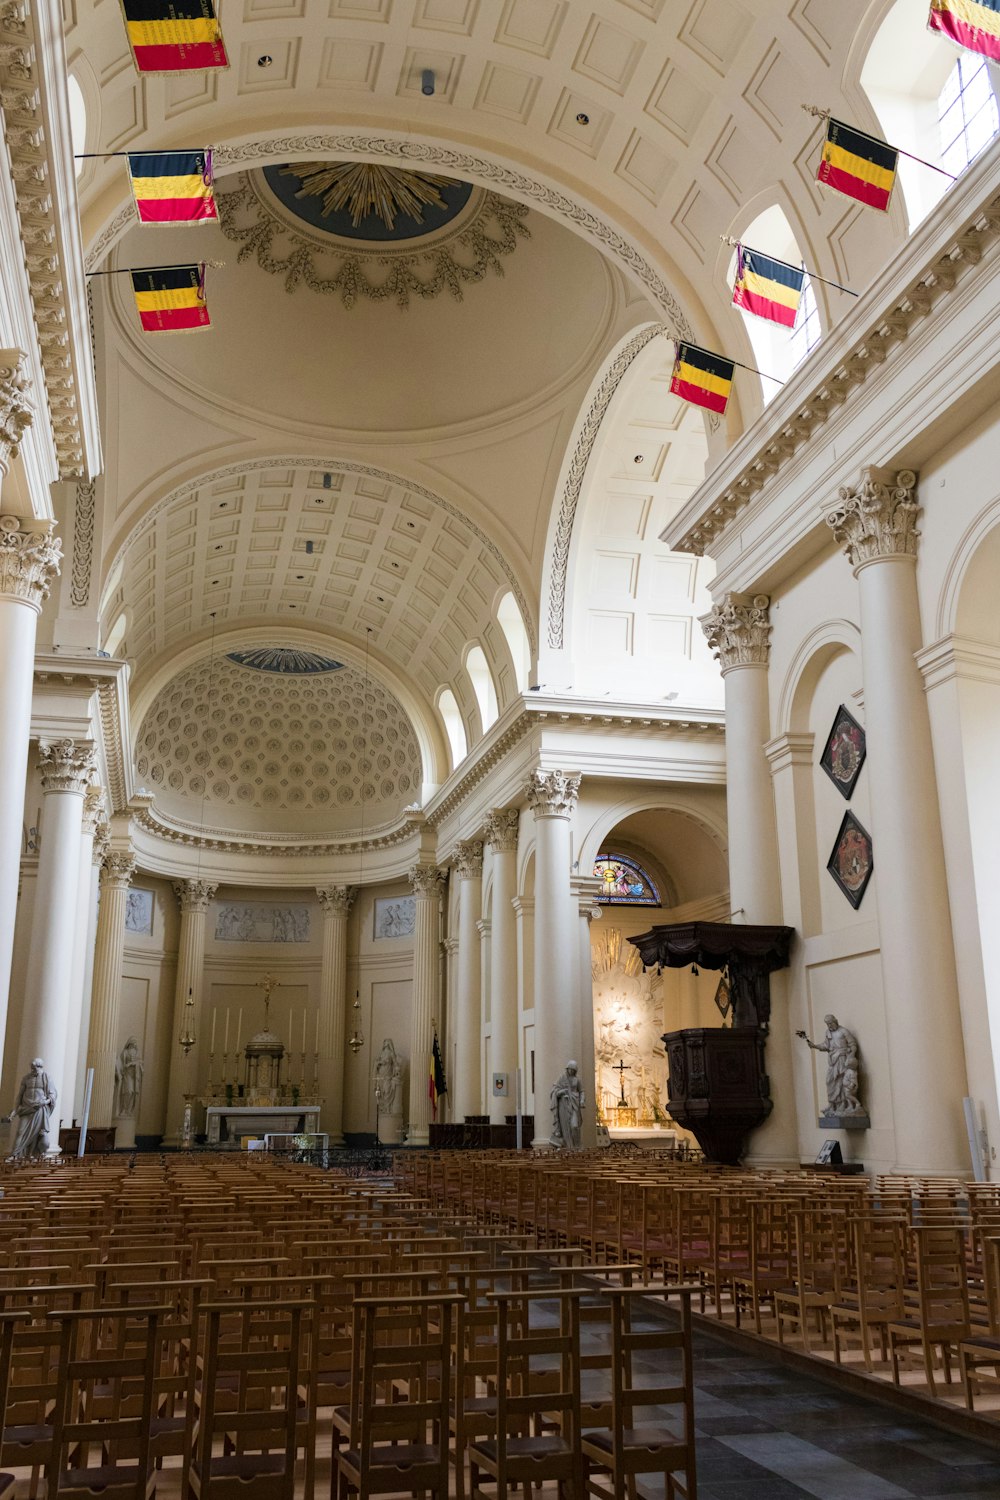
x=317 y=1031
x=225 y=1045
x=211 y=1045
x=291 y=1027
x=304 y=1014
x=239 y=1031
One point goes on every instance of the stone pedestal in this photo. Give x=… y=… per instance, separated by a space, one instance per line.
x=844 y=1122
x=390 y=1129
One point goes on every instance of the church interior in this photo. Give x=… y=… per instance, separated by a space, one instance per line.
x=497 y=714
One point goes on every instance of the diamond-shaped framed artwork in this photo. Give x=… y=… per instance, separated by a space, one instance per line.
x=844 y=752
x=851 y=862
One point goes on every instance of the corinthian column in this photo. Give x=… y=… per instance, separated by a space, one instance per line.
x=193 y=897
x=336 y=901
x=66 y=769
x=552 y=797
x=428 y=883
x=501 y=836
x=29 y=563
x=467 y=1082
x=739 y=632
x=109 y=949
x=875 y=524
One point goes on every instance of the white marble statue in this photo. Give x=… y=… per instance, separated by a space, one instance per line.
x=388 y=1073
x=567 y=1101
x=842 y=1069
x=128 y=1080
x=36 y=1099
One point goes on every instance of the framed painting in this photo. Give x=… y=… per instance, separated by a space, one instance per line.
x=723 y=998
x=844 y=752
x=851 y=863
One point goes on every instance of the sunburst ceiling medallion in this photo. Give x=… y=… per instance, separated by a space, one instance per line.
x=359 y=200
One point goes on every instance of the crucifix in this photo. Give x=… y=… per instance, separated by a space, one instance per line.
x=621 y=1070
x=268 y=984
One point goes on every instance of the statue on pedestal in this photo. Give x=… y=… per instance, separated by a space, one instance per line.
x=36 y=1099
x=128 y=1080
x=388 y=1093
x=567 y=1100
x=844 y=1108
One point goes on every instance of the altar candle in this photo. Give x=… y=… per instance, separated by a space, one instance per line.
x=239 y=1030
x=317 y=1031
x=212 y=1047
x=305 y=1012
x=225 y=1045
x=291 y=1027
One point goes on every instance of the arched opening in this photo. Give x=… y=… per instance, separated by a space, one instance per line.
x=510 y=622
x=481 y=678
x=115 y=642
x=77 y=121
x=454 y=727
x=778 y=350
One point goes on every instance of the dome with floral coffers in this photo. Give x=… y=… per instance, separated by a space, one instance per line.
x=246 y=747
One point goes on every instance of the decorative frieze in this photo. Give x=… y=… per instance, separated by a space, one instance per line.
x=84 y=514
x=16 y=410
x=65 y=765
x=553 y=794
x=501 y=829
x=469 y=859
x=427 y=880
x=739 y=631
x=29 y=562
x=336 y=900
x=194 y=895
x=117 y=870
x=877 y=518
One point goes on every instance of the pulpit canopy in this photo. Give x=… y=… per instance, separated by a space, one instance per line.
x=750 y=953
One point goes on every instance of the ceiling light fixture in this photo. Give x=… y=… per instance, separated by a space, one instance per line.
x=265 y=60
x=582 y=119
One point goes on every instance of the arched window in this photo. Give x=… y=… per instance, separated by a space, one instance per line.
x=778 y=351
x=510 y=622
x=482 y=685
x=116 y=635
x=623 y=882
x=77 y=121
x=454 y=728
x=967 y=113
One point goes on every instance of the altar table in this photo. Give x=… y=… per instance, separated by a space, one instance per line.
x=227 y=1122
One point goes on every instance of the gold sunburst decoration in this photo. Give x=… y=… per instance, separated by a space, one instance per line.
x=360 y=188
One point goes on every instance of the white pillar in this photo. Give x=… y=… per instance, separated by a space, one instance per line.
x=447 y=1037
x=100 y=851
x=552 y=797
x=66 y=769
x=467 y=1083
x=29 y=562
x=738 y=631
x=586 y=890
x=427 y=882
x=336 y=901
x=501 y=836
x=875 y=522
x=93 y=812
x=193 y=897
x=109 y=949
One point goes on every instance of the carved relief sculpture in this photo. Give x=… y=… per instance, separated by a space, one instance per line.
x=388 y=1075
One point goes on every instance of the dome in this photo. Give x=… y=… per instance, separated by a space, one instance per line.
x=278 y=740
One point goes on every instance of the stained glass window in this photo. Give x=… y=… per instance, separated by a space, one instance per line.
x=623 y=882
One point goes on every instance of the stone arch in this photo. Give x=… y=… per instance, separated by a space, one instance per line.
x=814 y=653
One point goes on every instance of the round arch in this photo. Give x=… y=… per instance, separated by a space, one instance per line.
x=814 y=653
x=608 y=819
x=961 y=560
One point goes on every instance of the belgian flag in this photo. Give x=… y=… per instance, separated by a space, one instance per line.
x=174 y=36
x=703 y=378
x=974 y=24
x=767 y=288
x=858 y=165
x=171 y=299
x=436 y=1085
x=172 y=187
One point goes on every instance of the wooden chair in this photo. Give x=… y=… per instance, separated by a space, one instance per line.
x=399 y=1446
x=617 y=1454
x=877 y=1299
x=821 y=1267
x=940 y=1319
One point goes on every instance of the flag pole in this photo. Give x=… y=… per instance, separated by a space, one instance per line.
x=214 y=265
x=727 y=239
x=156 y=151
x=826 y=114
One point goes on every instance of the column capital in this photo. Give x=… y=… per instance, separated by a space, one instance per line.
x=469 y=859
x=29 y=560
x=427 y=880
x=102 y=843
x=16 y=410
x=118 y=868
x=336 y=900
x=501 y=827
x=876 y=519
x=738 y=631
x=553 y=794
x=66 y=766
x=93 y=809
x=194 y=895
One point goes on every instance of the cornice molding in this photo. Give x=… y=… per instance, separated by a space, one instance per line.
x=873 y=331
x=790 y=750
x=147 y=816
x=956 y=657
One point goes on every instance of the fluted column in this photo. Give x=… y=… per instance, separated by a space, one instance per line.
x=739 y=632
x=66 y=768
x=501 y=837
x=586 y=891
x=336 y=901
x=467 y=1083
x=93 y=813
x=428 y=883
x=29 y=563
x=101 y=847
x=876 y=524
x=552 y=796
x=193 y=897
x=109 y=949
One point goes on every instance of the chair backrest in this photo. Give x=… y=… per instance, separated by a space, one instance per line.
x=538 y=1366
